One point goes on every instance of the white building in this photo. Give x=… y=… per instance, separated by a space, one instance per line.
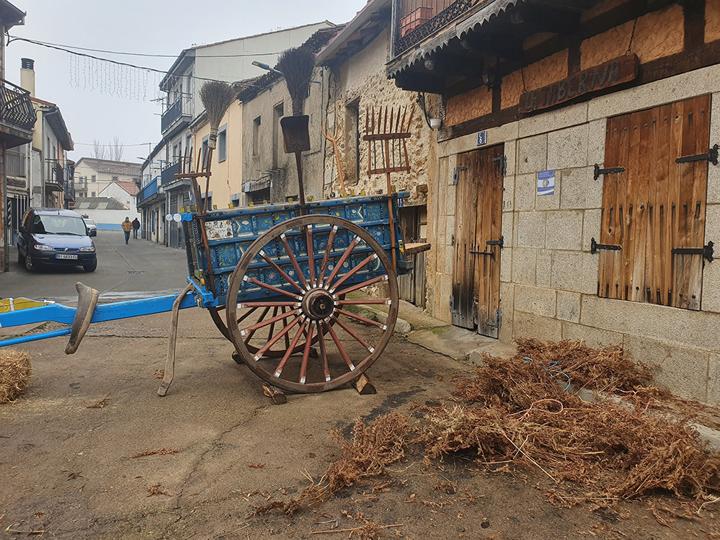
x=94 y=175
x=229 y=61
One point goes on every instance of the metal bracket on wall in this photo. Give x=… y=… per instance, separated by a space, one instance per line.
x=712 y=155
x=595 y=247
x=707 y=252
x=610 y=170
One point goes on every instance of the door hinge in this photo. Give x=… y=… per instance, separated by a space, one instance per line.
x=610 y=170
x=595 y=247
x=712 y=155
x=502 y=161
x=707 y=252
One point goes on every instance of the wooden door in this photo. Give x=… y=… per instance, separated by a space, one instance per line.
x=653 y=218
x=478 y=240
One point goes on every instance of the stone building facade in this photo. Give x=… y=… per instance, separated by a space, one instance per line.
x=567 y=178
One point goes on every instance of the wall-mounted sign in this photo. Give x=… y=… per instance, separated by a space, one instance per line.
x=482 y=138
x=546 y=183
x=618 y=71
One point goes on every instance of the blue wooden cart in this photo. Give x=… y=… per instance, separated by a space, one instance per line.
x=286 y=284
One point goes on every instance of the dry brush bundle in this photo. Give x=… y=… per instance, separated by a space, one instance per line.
x=15 y=372
x=370 y=450
x=216 y=96
x=297 y=67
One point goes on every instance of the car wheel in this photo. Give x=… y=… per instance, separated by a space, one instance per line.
x=90 y=267
x=29 y=264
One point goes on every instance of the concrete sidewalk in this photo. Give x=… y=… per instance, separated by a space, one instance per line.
x=438 y=336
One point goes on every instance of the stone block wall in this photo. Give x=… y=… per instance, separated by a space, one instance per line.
x=549 y=277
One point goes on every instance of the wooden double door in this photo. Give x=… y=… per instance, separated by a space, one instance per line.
x=478 y=240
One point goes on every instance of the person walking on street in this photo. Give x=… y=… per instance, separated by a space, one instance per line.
x=136 y=228
x=127 y=227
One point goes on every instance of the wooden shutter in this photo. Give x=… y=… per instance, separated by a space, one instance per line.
x=655 y=205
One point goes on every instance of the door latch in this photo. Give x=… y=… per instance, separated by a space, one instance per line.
x=707 y=252
x=502 y=162
x=595 y=247
x=492 y=243
x=712 y=155
x=610 y=170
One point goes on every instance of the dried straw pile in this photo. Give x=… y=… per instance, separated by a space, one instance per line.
x=523 y=411
x=14 y=374
x=370 y=450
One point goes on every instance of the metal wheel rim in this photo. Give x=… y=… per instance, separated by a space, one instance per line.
x=236 y=281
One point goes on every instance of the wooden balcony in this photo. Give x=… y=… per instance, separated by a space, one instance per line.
x=17 y=115
x=420 y=19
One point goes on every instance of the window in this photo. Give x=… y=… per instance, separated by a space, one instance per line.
x=115 y=178
x=352 y=140
x=93 y=178
x=222 y=145
x=256 y=136
x=92 y=193
x=278 y=113
x=653 y=209
x=205 y=151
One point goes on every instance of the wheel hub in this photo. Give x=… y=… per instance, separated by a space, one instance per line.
x=318 y=304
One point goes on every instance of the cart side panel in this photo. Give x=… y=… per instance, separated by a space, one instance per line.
x=231 y=232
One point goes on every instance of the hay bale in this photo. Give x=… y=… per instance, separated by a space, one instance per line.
x=14 y=374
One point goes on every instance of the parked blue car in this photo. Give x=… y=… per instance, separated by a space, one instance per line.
x=54 y=237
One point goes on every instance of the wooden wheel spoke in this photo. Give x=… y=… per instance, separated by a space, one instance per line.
x=280 y=271
x=306 y=354
x=310 y=253
x=343 y=353
x=293 y=260
x=287 y=338
x=262 y=324
x=362 y=285
x=362 y=319
x=257 y=305
x=246 y=315
x=272 y=288
x=323 y=352
x=355 y=335
x=328 y=250
x=248 y=333
x=271 y=331
x=289 y=351
x=277 y=338
x=341 y=261
x=354 y=271
x=365 y=301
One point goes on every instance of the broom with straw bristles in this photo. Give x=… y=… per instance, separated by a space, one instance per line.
x=297 y=66
x=216 y=96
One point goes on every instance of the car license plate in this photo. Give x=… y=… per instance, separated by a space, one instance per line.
x=67 y=257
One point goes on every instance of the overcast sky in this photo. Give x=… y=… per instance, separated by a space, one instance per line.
x=146 y=26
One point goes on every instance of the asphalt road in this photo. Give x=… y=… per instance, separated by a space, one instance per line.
x=123 y=272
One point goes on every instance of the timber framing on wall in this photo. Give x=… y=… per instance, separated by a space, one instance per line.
x=696 y=53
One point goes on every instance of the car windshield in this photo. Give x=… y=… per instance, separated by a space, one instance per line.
x=58 y=225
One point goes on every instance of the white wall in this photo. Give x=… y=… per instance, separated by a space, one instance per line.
x=109 y=219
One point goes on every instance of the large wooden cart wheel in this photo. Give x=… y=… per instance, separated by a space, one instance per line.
x=317 y=304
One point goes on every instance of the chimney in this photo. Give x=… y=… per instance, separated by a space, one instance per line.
x=27 y=75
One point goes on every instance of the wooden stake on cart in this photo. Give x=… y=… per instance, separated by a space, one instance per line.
x=389 y=139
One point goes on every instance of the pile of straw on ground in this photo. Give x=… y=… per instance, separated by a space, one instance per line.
x=524 y=412
x=14 y=374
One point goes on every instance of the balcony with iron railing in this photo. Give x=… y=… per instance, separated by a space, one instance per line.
x=55 y=177
x=417 y=20
x=17 y=115
x=177 y=113
x=149 y=191
x=167 y=176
